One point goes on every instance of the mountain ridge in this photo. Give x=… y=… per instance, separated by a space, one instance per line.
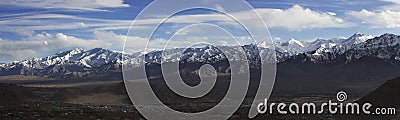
x=79 y=62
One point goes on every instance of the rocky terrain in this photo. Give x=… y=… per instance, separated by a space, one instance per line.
x=81 y=63
x=87 y=84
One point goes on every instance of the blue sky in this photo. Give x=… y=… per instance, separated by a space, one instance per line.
x=37 y=28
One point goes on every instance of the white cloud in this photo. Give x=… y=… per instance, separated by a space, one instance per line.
x=47 y=16
x=27 y=24
x=393 y=1
x=41 y=44
x=387 y=16
x=24 y=32
x=277 y=39
x=379 y=19
x=7 y=55
x=44 y=44
x=394 y=5
x=82 y=5
x=298 y=18
x=182 y=39
x=295 y=18
x=113 y=41
x=331 y=13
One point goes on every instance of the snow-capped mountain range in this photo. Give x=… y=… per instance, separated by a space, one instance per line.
x=319 y=46
x=79 y=61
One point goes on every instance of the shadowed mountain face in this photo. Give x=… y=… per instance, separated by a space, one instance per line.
x=386 y=95
x=358 y=77
x=358 y=64
x=82 y=63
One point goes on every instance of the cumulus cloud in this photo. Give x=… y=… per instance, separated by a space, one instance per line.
x=83 y=5
x=277 y=39
x=7 y=55
x=44 y=44
x=40 y=44
x=382 y=19
x=298 y=18
x=113 y=41
x=295 y=18
x=387 y=16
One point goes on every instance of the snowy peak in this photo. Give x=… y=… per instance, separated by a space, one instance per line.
x=294 y=43
x=291 y=47
x=321 y=50
x=98 y=57
x=386 y=40
x=90 y=58
x=386 y=46
x=264 y=45
x=358 y=38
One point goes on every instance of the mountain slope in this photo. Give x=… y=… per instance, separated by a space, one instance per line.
x=384 y=47
x=386 y=95
x=358 y=77
x=81 y=63
x=73 y=63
